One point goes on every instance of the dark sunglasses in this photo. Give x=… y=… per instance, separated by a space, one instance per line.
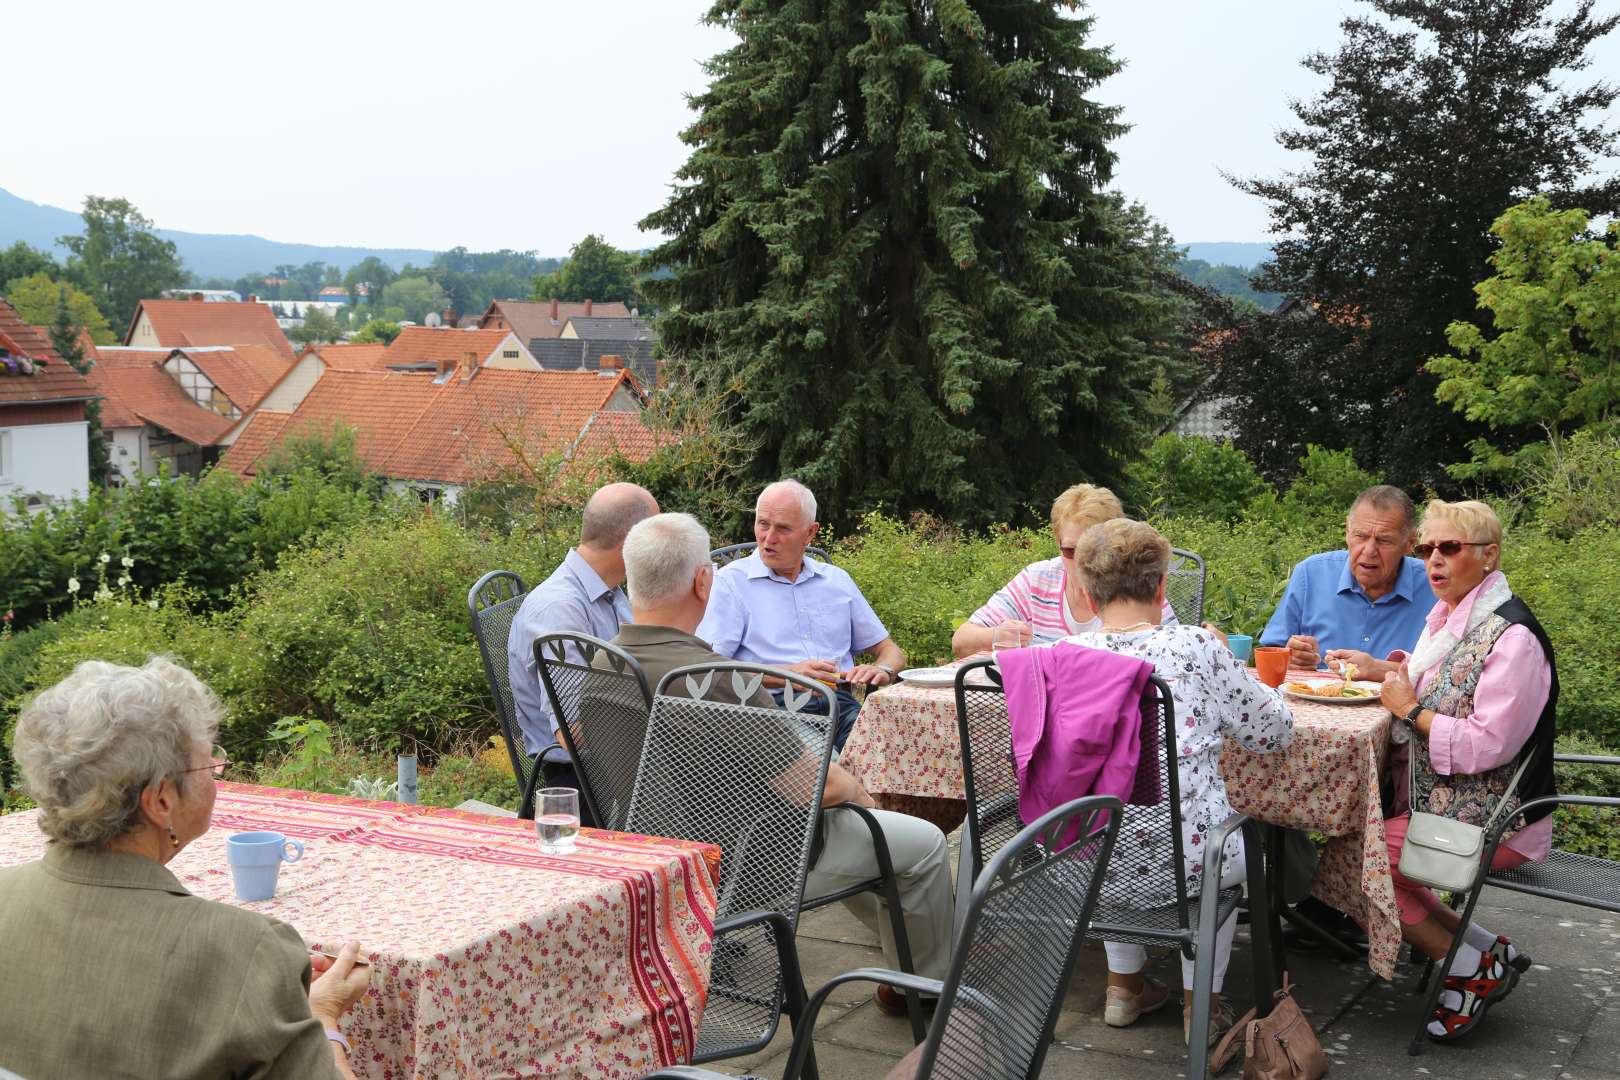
x=1448 y=548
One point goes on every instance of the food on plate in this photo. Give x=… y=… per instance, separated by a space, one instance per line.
x=1327 y=689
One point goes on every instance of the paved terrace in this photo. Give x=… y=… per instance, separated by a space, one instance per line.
x=1563 y=1020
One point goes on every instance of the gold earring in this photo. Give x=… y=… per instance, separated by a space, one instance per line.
x=173 y=839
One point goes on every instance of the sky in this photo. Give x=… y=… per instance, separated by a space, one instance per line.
x=528 y=124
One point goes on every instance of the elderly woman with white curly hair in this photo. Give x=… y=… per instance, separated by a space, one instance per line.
x=117 y=969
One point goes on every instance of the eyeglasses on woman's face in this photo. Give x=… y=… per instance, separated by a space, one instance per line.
x=1449 y=548
x=219 y=761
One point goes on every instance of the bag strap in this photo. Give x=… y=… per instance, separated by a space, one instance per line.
x=1226 y=1049
x=1411 y=783
x=1508 y=794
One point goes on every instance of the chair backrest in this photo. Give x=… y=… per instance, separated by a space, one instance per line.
x=724 y=555
x=991 y=787
x=493 y=603
x=1184 y=587
x=746 y=778
x=601 y=698
x=1019 y=942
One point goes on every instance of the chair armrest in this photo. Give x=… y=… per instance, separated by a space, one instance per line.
x=685 y=1072
x=802 y=1038
x=1495 y=834
x=555 y=754
x=730 y=923
x=1584 y=759
x=1215 y=843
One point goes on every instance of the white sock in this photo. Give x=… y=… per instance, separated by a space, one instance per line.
x=1466 y=962
x=1479 y=937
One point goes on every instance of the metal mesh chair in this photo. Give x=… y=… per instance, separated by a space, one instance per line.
x=601 y=701
x=750 y=780
x=725 y=555
x=493 y=603
x=999 y=1003
x=1584 y=880
x=1184 y=587
x=1144 y=897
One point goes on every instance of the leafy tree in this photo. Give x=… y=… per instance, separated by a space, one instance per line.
x=1554 y=360
x=890 y=235
x=1438 y=116
x=376 y=331
x=416 y=296
x=120 y=260
x=318 y=328
x=37 y=299
x=64 y=330
x=595 y=270
x=20 y=261
x=1227 y=280
x=371 y=272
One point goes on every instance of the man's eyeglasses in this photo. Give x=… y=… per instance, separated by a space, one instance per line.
x=1448 y=548
x=218 y=765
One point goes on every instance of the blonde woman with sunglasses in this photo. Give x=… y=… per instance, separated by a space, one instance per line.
x=1477 y=694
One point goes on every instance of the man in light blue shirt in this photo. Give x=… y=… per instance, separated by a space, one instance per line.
x=581 y=596
x=779 y=608
x=1371 y=597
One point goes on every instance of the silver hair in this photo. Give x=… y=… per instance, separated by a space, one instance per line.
x=662 y=554
x=807 y=498
x=90 y=745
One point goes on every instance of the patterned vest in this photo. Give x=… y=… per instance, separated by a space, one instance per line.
x=1464 y=797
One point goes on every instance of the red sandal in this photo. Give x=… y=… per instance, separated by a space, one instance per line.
x=1476 y=993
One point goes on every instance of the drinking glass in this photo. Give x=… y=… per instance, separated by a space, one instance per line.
x=556 y=819
x=1006 y=636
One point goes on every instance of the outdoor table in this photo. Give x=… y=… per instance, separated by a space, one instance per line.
x=489 y=959
x=906 y=752
x=1326 y=781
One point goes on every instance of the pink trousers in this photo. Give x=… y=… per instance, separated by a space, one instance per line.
x=1417 y=901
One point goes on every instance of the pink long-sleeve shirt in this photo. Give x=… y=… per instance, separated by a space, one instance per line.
x=1508 y=700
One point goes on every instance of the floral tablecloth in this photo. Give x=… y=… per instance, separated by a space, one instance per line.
x=492 y=960
x=1327 y=781
x=905 y=751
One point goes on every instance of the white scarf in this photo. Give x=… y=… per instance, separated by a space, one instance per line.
x=1434 y=647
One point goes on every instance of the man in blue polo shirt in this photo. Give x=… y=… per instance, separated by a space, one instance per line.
x=1372 y=596
x=779 y=608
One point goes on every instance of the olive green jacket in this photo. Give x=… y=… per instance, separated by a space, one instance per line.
x=115 y=970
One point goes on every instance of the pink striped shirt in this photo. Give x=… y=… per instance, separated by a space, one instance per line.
x=1036 y=596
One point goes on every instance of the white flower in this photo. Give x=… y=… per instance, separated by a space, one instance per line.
x=104 y=593
x=127 y=561
x=152 y=604
x=123 y=581
x=73 y=584
x=105 y=558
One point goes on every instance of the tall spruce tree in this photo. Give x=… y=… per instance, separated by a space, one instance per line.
x=1438 y=116
x=891 y=240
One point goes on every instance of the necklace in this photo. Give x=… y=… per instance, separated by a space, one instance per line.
x=1143 y=625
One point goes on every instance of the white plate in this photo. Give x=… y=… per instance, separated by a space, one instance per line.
x=1358 y=683
x=929 y=676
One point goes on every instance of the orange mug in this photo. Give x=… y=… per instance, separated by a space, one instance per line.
x=1271 y=664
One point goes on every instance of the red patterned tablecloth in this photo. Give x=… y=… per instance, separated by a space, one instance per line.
x=492 y=960
x=1327 y=782
x=905 y=743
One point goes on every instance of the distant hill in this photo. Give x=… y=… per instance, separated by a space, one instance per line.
x=1247 y=256
x=204 y=254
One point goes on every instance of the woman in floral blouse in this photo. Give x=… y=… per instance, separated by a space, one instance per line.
x=1122 y=566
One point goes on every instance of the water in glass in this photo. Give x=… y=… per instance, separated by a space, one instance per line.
x=556 y=819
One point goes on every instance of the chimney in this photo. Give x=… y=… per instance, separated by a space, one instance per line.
x=444 y=366
x=608 y=365
x=469 y=365
x=587 y=306
x=554 y=312
x=450 y=317
x=253 y=298
x=196 y=298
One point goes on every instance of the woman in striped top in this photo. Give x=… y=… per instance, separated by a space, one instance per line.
x=1044 y=601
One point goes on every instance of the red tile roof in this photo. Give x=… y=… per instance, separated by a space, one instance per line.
x=52 y=379
x=243 y=373
x=429 y=345
x=410 y=427
x=144 y=393
x=347 y=357
x=624 y=433
x=530 y=319
x=263 y=431
x=179 y=323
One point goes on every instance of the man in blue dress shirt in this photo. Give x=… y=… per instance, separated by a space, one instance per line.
x=779 y=608
x=582 y=596
x=1372 y=596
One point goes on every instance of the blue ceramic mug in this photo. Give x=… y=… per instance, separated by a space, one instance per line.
x=1242 y=646
x=256 y=859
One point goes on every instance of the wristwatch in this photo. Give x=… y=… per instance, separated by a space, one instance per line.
x=1414 y=713
x=886 y=668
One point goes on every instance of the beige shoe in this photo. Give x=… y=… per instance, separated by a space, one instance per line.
x=1220 y=1022
x=1122 y=1007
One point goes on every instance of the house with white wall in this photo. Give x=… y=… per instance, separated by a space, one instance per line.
x=44 y=434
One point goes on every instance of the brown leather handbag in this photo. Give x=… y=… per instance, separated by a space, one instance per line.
x=1280 y=1047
